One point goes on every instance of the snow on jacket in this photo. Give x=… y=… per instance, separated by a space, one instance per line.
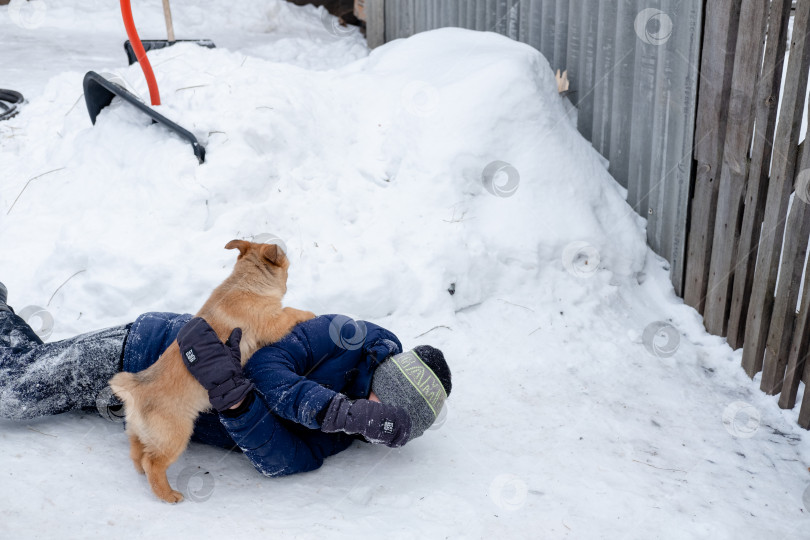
x=295 y=379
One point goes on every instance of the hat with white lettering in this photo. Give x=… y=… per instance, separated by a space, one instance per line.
x=417 y=380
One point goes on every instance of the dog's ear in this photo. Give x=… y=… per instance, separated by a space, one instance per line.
x=273 y=253
x=241 y=245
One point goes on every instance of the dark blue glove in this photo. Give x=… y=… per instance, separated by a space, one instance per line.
x=382 y=349
x=377 y=422
x=214 y=364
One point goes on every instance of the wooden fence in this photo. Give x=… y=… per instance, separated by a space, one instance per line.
x=747 y=237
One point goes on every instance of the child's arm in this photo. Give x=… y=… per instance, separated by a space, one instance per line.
x=280 y=371
x=275 y=449
x=288 y=394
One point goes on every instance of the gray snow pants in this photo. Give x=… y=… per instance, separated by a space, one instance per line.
x=41 y=379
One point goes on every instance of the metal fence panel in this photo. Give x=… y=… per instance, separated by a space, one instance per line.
x=633 y=67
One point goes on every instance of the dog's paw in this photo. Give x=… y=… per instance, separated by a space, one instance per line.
x=173 y=497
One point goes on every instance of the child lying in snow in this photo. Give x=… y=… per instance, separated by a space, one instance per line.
x=298 y=401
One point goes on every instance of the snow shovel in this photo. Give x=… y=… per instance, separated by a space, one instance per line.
x=99 y=92
x=154 y=44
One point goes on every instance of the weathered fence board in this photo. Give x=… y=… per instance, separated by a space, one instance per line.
x=767 y=99
x=796 y=369
x=804 y=412
x=779 y=189
x=739 y=128
x=797 y=359
x=719 y=38
x=780 y=332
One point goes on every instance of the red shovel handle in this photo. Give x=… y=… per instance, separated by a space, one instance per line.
x=140 y=53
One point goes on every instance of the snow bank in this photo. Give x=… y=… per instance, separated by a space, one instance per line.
x=371 y=173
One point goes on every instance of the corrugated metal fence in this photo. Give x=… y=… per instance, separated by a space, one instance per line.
x=633 y=68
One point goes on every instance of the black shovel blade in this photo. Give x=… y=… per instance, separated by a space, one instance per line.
x=99 y=92
x=154 y=44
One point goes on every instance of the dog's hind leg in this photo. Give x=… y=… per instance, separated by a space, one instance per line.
x=156 y=459
x=136 y=452
x=155 y=466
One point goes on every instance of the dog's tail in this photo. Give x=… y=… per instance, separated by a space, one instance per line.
x=123 y=385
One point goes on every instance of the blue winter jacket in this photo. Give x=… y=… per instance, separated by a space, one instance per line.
x=295 y=379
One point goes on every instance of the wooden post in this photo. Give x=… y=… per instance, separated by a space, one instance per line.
x=719 y=39
x=739 y=129
x=167 y=15
x=766 y=106
x=781 y=184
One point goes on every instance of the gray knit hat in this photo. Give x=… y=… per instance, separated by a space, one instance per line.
x=407 y=381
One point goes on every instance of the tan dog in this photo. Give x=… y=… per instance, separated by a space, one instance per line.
x=163 y=401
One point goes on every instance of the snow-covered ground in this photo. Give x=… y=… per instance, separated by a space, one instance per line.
x=588 y=401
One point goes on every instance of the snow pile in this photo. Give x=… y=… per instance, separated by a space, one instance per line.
x=444 y=162
x=371 y=174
